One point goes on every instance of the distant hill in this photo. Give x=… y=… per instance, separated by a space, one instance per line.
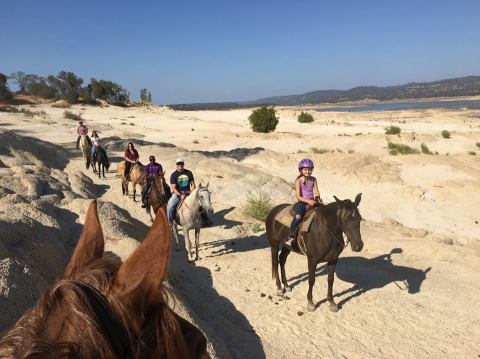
x=460 y=86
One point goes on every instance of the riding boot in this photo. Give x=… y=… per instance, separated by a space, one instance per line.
x=78 y=142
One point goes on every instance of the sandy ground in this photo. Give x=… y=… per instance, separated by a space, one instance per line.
x=412 y=292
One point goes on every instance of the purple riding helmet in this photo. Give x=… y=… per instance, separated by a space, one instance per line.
x=305 y=163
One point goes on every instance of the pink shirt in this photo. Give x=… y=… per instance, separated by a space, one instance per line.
x=82 y=129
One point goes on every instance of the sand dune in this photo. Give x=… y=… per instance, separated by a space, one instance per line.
x=412 y=291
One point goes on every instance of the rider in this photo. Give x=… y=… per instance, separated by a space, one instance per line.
x=131 y=157
x=306 y=192
x=153 y=170
x=182 y=183
x=82 y=130
x=95 y=143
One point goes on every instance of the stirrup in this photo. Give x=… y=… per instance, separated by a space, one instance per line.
x=289 y=242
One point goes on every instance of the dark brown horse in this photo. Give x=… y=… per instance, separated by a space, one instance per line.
x=157 y=196
x=103 y=162
x=104 y=309
x=323 y=243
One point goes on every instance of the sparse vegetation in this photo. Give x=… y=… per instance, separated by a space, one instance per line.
x=392 y=130
x=397 y=148
x=72 y=116
x=473 y=153
x=351 y=151
x=257 y=227
x=319 y=151
x=61 y=104
x=478 y=144
x=195 y=141
x=263 y=120
x=258 y=206
x=425 y=149
x=446 y=134
x=22 y=110
x=358 y=134
x=301 y=151
x=305 y=117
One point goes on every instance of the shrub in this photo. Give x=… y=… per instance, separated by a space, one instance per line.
x=145 y=96
x=473 y=153
x=358 y=134
x=72 y=116
x=257 y=227
x=263 y=120
x=22 y=110
x=305 y=117
x=446 y=134
x=319 y=151
x=392 y=130
x=5 y=93
x=478 y=144
x=425 y=149
x=397 y=148
x=258 y=206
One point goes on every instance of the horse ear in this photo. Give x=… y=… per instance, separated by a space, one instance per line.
x=427 y=270
x=336 y=199
x=358 y=198
x=89 y=247
x=138 y=283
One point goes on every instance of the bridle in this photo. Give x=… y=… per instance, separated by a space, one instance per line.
x=111 y=326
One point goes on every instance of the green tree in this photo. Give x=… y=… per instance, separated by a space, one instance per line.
x=144 y=95
x=67 y=85
x=5 y=93
x=108 y=91
x=263 y=120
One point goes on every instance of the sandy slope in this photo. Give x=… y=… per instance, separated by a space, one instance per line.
x=412 y=292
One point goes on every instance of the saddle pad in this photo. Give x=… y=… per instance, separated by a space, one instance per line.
x=285 y=217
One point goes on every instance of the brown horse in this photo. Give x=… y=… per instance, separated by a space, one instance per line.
x=156 y=196
x=323 y=243
x=103 y=162
x=104 y=309
x=137 y=176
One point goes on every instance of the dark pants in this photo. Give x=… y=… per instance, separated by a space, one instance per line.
x=145 y=190
x=128 y=165
x=299 y=213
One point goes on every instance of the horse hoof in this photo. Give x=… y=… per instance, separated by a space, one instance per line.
x=311 y=307
x=280 y=292
x=333 y=308
x=288 y=288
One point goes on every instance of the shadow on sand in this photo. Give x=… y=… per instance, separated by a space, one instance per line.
x=235 y=245
x=237 y=153
x=367 y=274
x=219 y=217
x=225 y=326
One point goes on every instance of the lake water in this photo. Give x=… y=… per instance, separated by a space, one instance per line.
x=391 y=106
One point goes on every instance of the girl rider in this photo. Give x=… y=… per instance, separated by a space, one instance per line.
x=306 y=192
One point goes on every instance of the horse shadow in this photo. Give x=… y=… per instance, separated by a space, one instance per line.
x=229 y=331
x=219 y=217
x=235 y=245
x=367 y=274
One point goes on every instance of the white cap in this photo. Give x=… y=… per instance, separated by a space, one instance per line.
x=179 y=160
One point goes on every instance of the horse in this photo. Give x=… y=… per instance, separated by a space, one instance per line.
x=322 y=243
x=157 y=196
x=86 y=149
x=103 y=162
x=188 y=216
x=137 y=176
x=102 y=308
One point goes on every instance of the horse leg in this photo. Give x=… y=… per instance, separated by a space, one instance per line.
x=149 y=211
x=134 y=190
x=283 y=259
x=331 y=277
x=274 y=246
x=188 y=244
x=175 y=235
x=197 y=241
x=312 y=267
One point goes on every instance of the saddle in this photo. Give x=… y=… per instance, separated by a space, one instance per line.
x=286 y=215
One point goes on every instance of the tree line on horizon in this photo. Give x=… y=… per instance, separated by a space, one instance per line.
x=69 y=87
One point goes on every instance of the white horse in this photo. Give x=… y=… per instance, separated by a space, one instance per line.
x=188 y=216
x=86 y=149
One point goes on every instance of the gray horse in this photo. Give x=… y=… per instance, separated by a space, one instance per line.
x=188 y=216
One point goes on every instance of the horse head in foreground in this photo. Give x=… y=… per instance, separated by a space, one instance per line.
x=104 y=309
x=323 y=242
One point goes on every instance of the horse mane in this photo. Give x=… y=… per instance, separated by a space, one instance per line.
x=30 y=326
x=192 y=198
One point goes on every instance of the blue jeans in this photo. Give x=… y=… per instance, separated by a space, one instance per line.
x=94 y=151
x=299 y=212
x=172 y=207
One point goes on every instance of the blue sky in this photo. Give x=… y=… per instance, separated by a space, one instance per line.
x=208 y=51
